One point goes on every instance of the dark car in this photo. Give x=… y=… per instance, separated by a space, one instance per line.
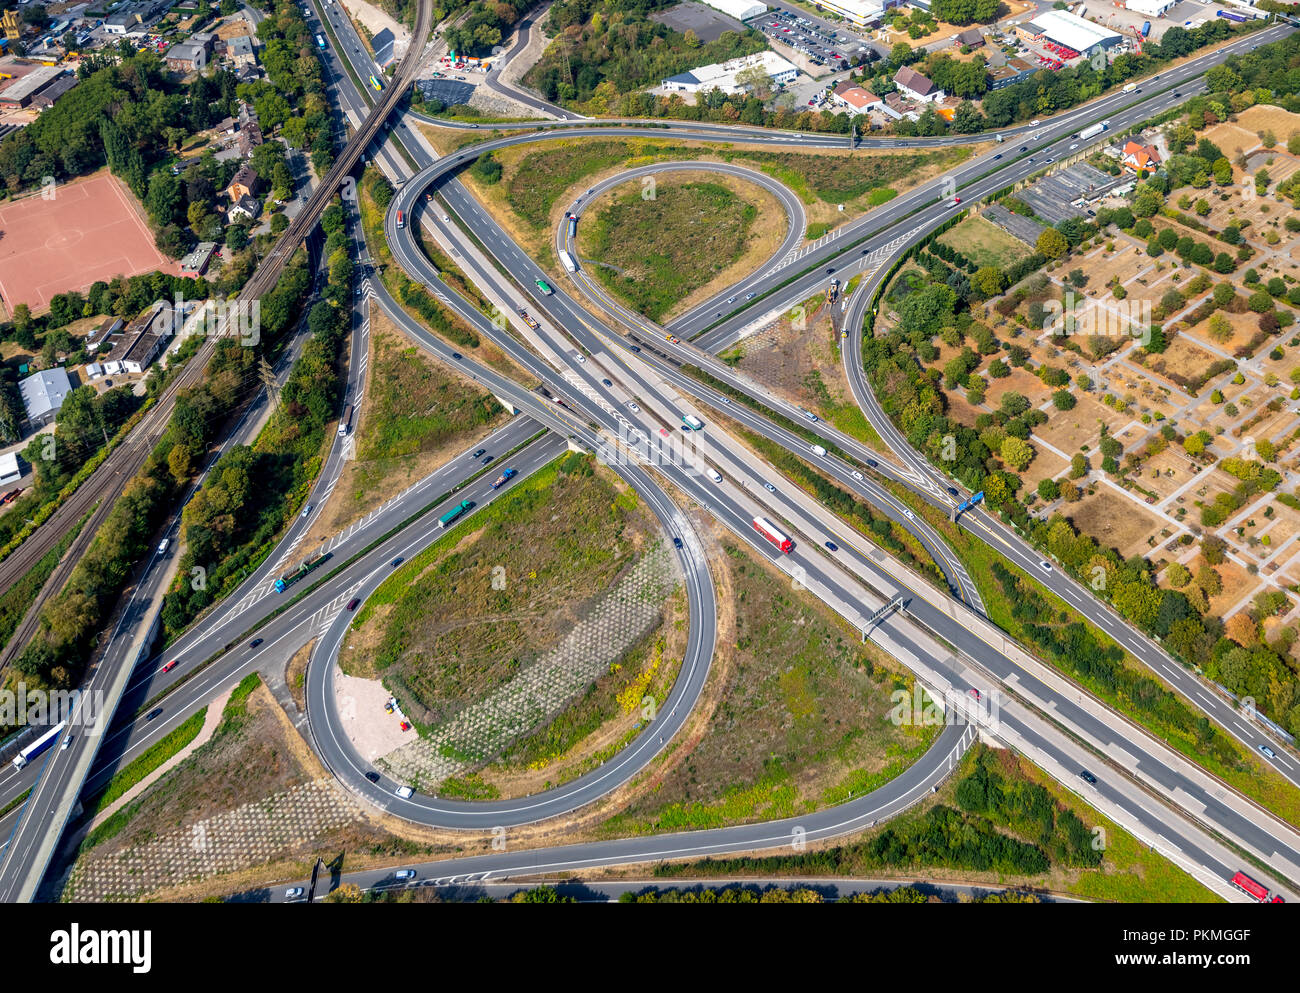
x=488 y=458
x=1024 y=148
x=952 y=491
x=607 y=382
x=1087 y=777
x=677 y=543
x=372 y=776
x=832 y=546
x=352 y=604
x=398 y=561
x=635 y=348
x=255 y=642
x=457 y=356
x=481 y=451
x=153 y=714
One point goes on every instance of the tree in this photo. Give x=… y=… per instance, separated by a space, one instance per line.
x=989 y=281
x=1016 y=453
x=1052 y=244
x=1241 y=629
x=1063 y=400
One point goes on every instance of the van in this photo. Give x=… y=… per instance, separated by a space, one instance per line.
x=715 y=475
x=819 y=451
x=405 y=792
x=164 y=545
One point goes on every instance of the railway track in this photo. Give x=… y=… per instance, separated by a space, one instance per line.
x=98 y=494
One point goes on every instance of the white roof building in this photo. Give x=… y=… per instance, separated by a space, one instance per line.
x=741 y=10
x=1149 y=8
x=43 y=394
x=858 y=12
x=1074 y=32
x=723 y=74
x=9 y=470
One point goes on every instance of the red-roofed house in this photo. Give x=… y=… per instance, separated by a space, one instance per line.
x=856 y=99
x=1141 y=157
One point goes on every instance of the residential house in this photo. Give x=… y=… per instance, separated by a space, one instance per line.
x=970 y=38
x=245 y=184
x=1137 y=157
x=250 y=136
x=912 y=84
x=143 y=339
x=241 y=51
x=245 y=207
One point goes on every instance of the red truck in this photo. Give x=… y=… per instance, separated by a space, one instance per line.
x=1256 y=890
x=401 y=220
x=773 y=534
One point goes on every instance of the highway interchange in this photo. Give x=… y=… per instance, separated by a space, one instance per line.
x=599 y=392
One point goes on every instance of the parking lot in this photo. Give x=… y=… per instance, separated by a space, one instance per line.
x=824 y=47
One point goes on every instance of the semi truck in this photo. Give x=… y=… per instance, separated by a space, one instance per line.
x=569 y=264
x=1242 y=882
x=502 y=479
x=1092 y=130
x=523 y=316
x=289 y=578
x=573 y=225
x=1240 y=19
x=450 y=517
x=773 y=534
x=41 y=744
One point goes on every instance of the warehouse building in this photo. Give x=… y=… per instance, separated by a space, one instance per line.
x=21 y=92
x=859 y=13
x=1065 y=29
x=1149 y=8
x=741 y=10
x=722 y=75
x=43 y=394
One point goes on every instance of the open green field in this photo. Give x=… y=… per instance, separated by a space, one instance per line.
x=984 y=243
x=654 y=253
x=414 y=407
x=801 y=719
x=442 y=634
x=999 y=820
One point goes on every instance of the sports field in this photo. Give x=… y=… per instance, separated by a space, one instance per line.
x=89 y=229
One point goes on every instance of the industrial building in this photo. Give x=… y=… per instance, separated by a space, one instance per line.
x=10 y=471
x=143 y=339
x=22 y=91
x=1149 y=8
x=43 y=394
x=722 y=75
x=859 y=13
x=741 y=10
x=1068 y=30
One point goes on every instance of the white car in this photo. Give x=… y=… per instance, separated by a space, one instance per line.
x=1267 y=751
x=404 y=874
x=1045 y=566
x=909 y=515
x=579 y=356
x=293 y=892
x=405 y=792
x=633 y=407
x=857 y=475
x=307 y=509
